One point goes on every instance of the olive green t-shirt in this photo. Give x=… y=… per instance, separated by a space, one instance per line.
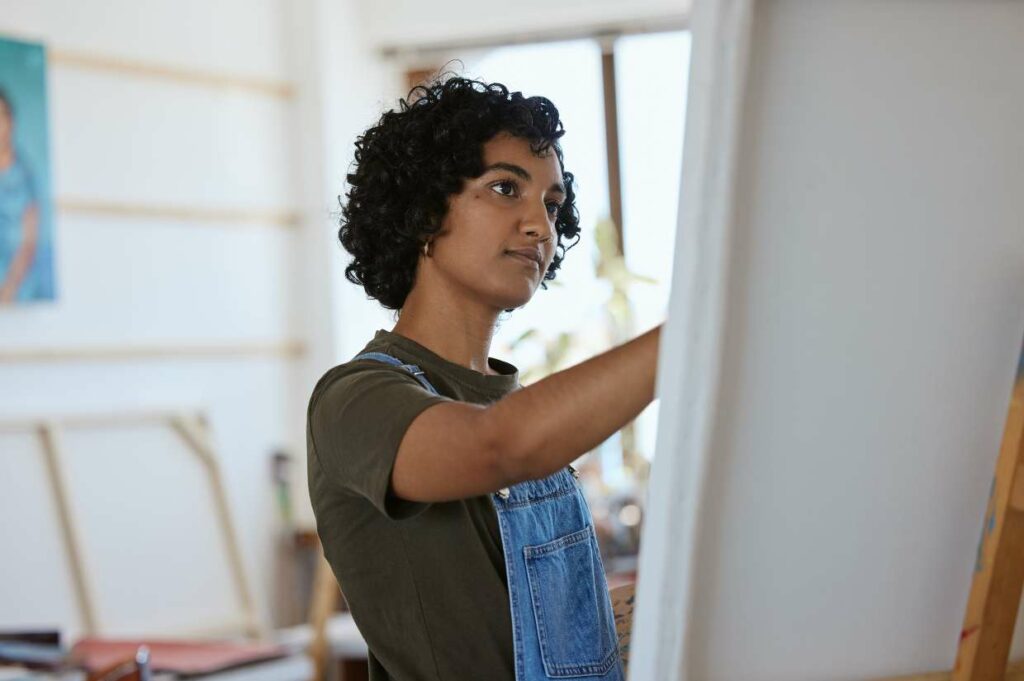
x=425 y=582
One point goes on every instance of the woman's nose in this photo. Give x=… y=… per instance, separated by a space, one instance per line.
x=538 y=223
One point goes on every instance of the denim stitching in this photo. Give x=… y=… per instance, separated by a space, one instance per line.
x=551 y=668
x=517 y=634
x=541 y=630
x=562 y=542
x=535 y=500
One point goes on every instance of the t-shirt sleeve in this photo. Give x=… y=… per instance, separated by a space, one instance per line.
x=357 y=424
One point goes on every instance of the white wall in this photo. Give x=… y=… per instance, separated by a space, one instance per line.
x=873 y=317
x=144 y=281
x=138 y=281
x=409 y=23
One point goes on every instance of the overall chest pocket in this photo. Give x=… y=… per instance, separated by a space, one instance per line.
x=574 y=619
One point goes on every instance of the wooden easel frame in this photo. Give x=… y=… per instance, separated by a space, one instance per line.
x=192 y=427
x=999 y=571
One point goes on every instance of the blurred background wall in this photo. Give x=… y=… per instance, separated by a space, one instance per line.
x=198 y=150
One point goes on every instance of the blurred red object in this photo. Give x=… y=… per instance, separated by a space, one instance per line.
x=179 y=657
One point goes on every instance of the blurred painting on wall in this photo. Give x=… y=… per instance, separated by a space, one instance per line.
x=26 y=211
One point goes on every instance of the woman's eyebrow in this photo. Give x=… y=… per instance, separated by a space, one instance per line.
x=520 y=171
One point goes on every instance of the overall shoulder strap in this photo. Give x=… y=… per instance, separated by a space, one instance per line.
x=394 y=361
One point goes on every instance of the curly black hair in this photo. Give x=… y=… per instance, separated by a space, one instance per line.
x=414 y=158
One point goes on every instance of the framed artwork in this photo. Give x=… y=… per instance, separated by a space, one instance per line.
x=26 y=211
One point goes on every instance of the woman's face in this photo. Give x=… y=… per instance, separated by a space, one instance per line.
x=512 y=206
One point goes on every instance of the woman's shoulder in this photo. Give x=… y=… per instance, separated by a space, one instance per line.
x=355 y=371
x=359 y=375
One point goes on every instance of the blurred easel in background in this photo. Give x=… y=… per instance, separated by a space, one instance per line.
x=337 y=649
x=237 y=641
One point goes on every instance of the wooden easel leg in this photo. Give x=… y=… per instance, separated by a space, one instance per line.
x=999 y=573
x=194 y=433
x=1014 y=672
x=49 y=435
x=326 y=593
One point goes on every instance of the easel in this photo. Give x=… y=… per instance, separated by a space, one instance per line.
x=193 y=428
x=324 y=601
x=999 y=571
x=987 y=633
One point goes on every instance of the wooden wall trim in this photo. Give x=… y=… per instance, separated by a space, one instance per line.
x=289 y=349
x=178 y=74
x=234 y=217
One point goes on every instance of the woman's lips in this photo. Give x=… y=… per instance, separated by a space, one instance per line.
x=525 y=259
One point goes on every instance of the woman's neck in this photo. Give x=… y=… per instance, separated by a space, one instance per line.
x=460 y=333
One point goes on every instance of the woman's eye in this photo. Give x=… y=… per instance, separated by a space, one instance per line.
x=508 y=185
x=554 y=207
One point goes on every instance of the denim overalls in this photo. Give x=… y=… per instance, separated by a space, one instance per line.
x=562 y=624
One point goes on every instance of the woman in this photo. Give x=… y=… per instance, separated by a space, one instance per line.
x=442 y=488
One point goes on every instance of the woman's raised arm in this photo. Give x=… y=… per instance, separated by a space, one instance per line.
x=455 y=450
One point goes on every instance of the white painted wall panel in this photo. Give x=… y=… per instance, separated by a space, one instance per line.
x=406 y=23
x=123 y=138
x=146 y=281
x=226 y=36
x=128 y=281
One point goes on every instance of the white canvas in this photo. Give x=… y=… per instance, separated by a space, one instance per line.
x=846 y=315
